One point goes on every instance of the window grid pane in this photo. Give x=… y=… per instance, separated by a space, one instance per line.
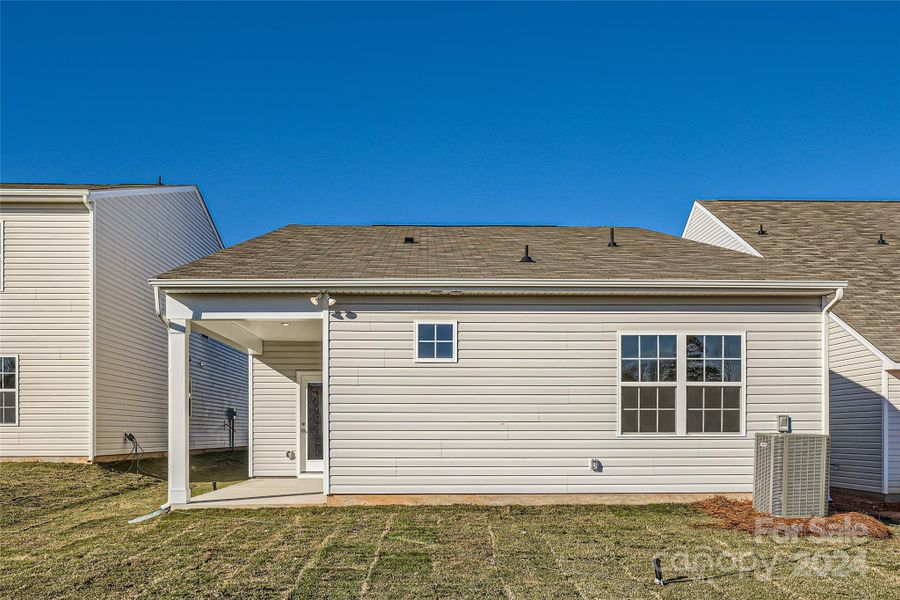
x=705 y=362
x=435 y=341
x=713 y=409
x=714 y=359
x=647 y=359
x=648 y=410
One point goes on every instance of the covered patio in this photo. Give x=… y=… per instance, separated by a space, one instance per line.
x=285 y=336
x=263 y=492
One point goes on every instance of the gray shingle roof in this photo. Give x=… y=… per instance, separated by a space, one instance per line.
x=476 y=253
x=832 y=240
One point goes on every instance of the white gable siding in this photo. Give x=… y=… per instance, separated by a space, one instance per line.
x=275 y=404
x=703 y=227
x=533 y=396
x=138 y=236
x=856 y=410
x=45 y=318
x=894 y=432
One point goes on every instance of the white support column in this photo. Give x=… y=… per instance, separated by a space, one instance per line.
x=326 y=427
x=179 y=426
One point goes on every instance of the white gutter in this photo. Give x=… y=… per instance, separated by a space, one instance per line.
x=459 y=285
x=826 y=371
x=44 y=196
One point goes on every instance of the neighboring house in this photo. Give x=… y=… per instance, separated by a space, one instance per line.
x=424 y=361
x=854 y=241
x=83 y=352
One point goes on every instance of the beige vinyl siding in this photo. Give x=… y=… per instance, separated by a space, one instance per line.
x=855 y=408
x=45 y=318
x=702 y=227
x=218 y=382
x=138 y=236
x=275 y=403
x=893 y=432
x=533 y=397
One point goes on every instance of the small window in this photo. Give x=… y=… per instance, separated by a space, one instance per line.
x=435 y=342
x=9 y=385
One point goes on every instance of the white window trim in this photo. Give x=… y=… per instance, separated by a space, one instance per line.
x=16 y=390
x=681 y=385
x=416 y=358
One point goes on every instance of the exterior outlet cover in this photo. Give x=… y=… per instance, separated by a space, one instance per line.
x=784 y=424
x=596 y=465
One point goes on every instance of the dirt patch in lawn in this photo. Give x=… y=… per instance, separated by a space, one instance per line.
x=739 y=515
x=865 y=503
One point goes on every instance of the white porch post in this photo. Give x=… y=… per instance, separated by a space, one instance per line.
x=179 y=373
x=326 y=403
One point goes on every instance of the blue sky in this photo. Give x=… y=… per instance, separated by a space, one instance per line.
x=570 y=114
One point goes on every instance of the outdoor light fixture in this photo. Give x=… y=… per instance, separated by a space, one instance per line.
x=285 y=324
x=314 y=300
x=331 y=301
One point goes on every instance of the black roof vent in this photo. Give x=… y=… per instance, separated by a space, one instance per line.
x=409 y=240
x=159 y=180
x=762 y=230
x=881 y=240
x=526 y=258
x=612 y=238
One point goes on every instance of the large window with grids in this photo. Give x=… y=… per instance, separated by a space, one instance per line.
x=681 y=384
x=9 y=390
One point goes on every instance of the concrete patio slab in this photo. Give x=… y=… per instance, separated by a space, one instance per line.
x=263 y=492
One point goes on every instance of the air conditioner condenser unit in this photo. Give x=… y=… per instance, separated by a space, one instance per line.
x=790 y=474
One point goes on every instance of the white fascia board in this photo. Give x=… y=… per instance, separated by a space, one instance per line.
x=699 y=208
x=35 y=195
x=812 y=288
x=887 y=362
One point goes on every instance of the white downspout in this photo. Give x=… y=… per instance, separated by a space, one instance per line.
x=157 y=306
x=885 y=430
x=92 y=393
x=826 y=372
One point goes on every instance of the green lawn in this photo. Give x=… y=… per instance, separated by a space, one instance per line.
x=65 y=534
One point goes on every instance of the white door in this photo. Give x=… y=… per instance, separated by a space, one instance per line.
x=309 y=415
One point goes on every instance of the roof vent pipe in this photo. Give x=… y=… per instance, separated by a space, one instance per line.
x=409 y=240
x=881 y=240
x=526 y=258
x=762 y=230
x=612 y=238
